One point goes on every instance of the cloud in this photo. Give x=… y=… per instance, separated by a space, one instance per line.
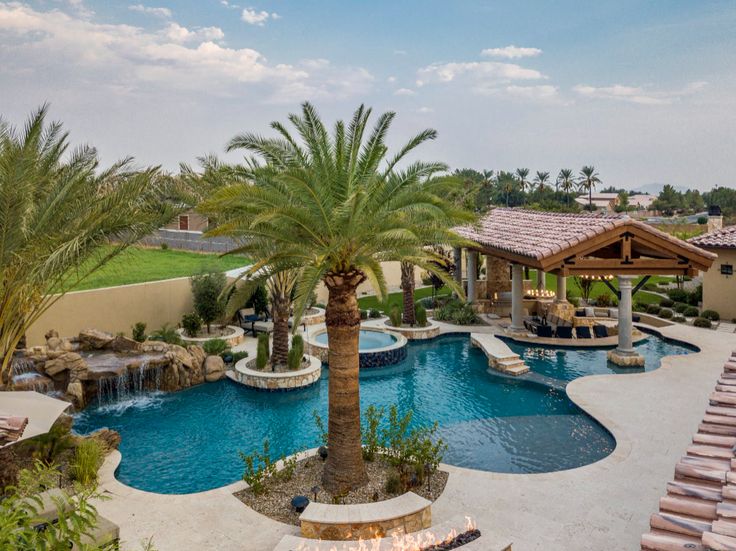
x=259 y=18
x=541 y=92
x=425 y=109
x=157 y=12
x=129 y=59
x=404 y=92
x=400 y=52
x=484 y=71
x=229 y=5
x=638 y=94
x=511 y=52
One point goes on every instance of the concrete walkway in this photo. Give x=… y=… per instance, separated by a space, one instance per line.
x=605 y=505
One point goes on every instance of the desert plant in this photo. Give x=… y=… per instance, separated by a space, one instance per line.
x=138 y=331
x=712 y=315
x=215 y=347
x=603 y=300
x=393 y=484
x=371 y=438
x=191 y=323
x=457 y=312
x=691 y=312
x=237 y=356
x=666 y=303
x=87 y=460
x=665 y=313
x=420 y=315
x=653 y=309
x=374 y=313
x=207 y=292
x=168 y=334
x=258 y=467
x=321 y=431
x=296 y=353
x=262 y=353
x=702 y=322
x=394 y=315
x=679 y=319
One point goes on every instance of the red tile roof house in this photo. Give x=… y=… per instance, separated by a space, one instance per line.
x=719 y=282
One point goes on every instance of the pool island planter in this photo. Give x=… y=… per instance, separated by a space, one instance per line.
x=369 y=358
x=314 y=316
x=235 y=337
x=276 y=381
x=429 y=331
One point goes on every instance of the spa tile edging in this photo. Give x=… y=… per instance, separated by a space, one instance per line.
x=375 y=357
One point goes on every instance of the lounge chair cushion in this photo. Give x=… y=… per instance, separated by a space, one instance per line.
x=613 y=313
x=563 y=332
x=583 y=332
x=580 y=312
x=600 y=331
x=589 y=312
x=544 y=331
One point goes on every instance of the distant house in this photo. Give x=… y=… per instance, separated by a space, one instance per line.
x=719 y=283
x=189 y=221
x=609 y=201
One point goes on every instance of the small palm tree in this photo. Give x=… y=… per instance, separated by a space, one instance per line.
x=334 y=206
x=540 y=180
x=566 y=181
x=521 y=175
x=62 y=219
x=588 y=180
x=407 y=290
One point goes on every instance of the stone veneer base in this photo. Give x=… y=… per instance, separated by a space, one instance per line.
x=431 y=331
x=369 y=359
x=274 y=382
x=233 y=339
x=623 y=359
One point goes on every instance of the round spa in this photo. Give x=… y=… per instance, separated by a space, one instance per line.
x=377 y=347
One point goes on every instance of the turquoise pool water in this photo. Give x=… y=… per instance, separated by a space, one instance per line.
x=188 y=441
x=368 y=340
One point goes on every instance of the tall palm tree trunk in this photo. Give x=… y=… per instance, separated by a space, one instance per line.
x=590 y=198
x=344 y=469
x=407 y=288
x=280 y=353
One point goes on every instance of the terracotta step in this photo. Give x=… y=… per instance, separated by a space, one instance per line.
x=727 y=381
x=722 y=398
x=680 y=524
x=683 y=470
x=690 y=506
x=721 y=410
x=715 y=440
x=728 y=491
x=724 y=527
x=725 y=388
x=706 y=463
x=726 y=510
x=727 y=375
x=712 y=428
x=710 y=491
x=710 y=451
x=718 y=542
x=719 y=420
x=657 y=540
x=730 y=478
x=730 y=366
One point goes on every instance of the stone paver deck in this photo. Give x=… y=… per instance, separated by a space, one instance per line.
x=605 y=505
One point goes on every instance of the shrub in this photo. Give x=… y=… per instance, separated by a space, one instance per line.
x=321 y=431
x=666 y=303
x=678 y=295
x=164 y=246
x=258 y=300
x=287 y=470
x=86 y=462
x=712 y=315
x=663 y=283
x=374 y=313
x=639 y=307
x=394 y=315
x=364 y=314
x=702 y=322
x=393 y=484
x=215 y=347
x=575 y=301
x=138 y=331
x=427 y=302
x=371 y=438
x=691 y=312
x=696 y=296
x=650 y=287
x=679 y=319
x=191 y=323
x=457 y=312
x=258 y=467
x=653 y=309
x=680 y=307
x=237 y=356
x=603 y=300
x=167 y=333
x=665 y=313
x=420 y=314
x=263 y=352
x=208 y=302
x=702 y=220
x=296 y=352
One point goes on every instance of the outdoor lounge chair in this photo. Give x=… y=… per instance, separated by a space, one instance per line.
x=583 y=332
x=544 y=331
x=563 y=332
x=600 y=331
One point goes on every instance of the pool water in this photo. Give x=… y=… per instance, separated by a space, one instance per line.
x=368 y=340
x=188 y=441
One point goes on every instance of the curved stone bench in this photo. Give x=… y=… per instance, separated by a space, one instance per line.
x=267 y=380
x=232 y=339
x=403 y=514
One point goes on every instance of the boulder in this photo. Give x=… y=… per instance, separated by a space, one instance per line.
x=65 y=361
x=198 y=355
x=154 y=346
x=214 y=369
x=95 y=339
x=75 y=392
x=124 y=344
x=179 y=355
x=109 y=438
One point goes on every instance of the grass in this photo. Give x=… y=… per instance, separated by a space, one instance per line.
x=138 y=265
x=366 y=303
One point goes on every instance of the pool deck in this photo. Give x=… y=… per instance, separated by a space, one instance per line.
x=605 y=505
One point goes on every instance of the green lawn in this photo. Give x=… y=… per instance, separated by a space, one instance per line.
x=366 y=303
x=138 y=265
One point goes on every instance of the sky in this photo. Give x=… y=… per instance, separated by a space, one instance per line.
x=643 y=90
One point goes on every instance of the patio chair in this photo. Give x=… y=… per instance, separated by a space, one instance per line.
x=563 y=332
x=600 y=331
x=544 y=331
x=583 y=332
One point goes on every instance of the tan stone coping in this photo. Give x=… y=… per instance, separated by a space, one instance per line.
x=309 y=339
x=429 y=331
x=283 y=380
x=492 y=346
x=232 y=338
x=380 y=511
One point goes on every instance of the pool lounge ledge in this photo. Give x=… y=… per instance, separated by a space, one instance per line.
x=500 y=356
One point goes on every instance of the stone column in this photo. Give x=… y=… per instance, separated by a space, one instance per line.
x=541 y=280
x=561 y=289
x=472 y=274
x=457 y=256
x=517 y=297
x=625 y=355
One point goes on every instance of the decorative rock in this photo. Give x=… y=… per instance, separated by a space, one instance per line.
x=214 y=369
x=65 y=361
x=95 y=339
x=109 y=438
x=198 y=354
x=124 y=344
x=623 y=359
x=75 y=391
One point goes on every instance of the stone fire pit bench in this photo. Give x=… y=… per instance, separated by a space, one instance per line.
x=405 y=513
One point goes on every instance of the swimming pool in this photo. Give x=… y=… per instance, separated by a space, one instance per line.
x=188 y=441
x=368 y=340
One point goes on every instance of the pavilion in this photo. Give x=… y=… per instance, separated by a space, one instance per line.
x=589 y=244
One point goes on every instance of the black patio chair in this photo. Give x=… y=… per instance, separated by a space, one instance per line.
x=563 y=332
x=544 y=331
x=600 y=331
x=583 y=332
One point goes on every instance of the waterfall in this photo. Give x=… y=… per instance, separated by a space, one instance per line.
x=129 y=384
x=20 y=365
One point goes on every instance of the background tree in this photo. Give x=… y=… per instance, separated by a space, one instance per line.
x=623 y=202
x=540 y=180
x=566 y=181
x=335 y=206
x=588 y=180
x=668 y=201
x=521 y=177
x=62 y=219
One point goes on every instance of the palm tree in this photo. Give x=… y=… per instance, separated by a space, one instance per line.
x=541 y=180
x=566 y=181
x=335 y=205
x=588 y=180
x=62 y=219
x=407 y=291
x=521 y=175
x=506 y=182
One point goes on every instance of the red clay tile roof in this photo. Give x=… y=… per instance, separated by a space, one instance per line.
x=718 y=239
x=539 y=235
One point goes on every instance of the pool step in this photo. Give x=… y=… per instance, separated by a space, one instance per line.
x=500 y=356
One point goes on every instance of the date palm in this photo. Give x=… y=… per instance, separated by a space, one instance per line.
x=62 y=219
x=521 y=176
x=407 y=290
x=566 y=181
x=334 y=206
x=541 y=179
x=588 y=180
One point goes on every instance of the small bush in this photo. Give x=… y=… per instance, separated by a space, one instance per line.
x=371 y=438
x=191 y=323
x=666 y=303
x=653 y=309
x=215 y=347
x=696 y=296
x=208 y=301
x=287 y=470
x=712 y=315
x=639 y=307
x=296 y=353
x=258 y=467
x=665 y=313
x=603 y=300
x=237 y=356
x=263 y=354
x=87 y=459
x=680 y=307
x=702 y=322
x=393 y=484
x=164 y=246
x=691 y=312
x=420 y=314
x=678 y=295
x=650 y=287
x=321 y=430
x=394 y=315
x=138 y=331
x=702 y=220
x=364 y=314
x=679 y=319
x=167 y=333
x=663 y=283
x=575 y=301
x=374 y=313
x=457 y=312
